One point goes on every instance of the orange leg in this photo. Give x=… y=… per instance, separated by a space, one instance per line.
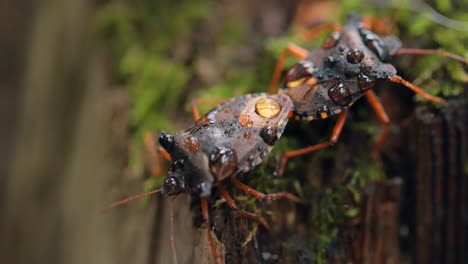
x=383 y=118
x=261 y=196
x=232 y=205
x=418 y=90
x=380 y=26
x=155 y=153
x=333 y=139
x=293 y=50
x=431 y=52
x=196 y=102
x=206 y=217
x=313 y=32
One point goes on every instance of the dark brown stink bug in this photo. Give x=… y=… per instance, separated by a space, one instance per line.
x=234 y=137
x=328 y=80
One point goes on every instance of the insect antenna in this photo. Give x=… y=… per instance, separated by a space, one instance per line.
x=431 y=52
x=417 y=90
x=129 y=199
x=174 y=255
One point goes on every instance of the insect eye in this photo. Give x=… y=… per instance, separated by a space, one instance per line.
x=355 y=56
x=365 y=82
x=170 y=182
x=166 y=141
x=171 y=186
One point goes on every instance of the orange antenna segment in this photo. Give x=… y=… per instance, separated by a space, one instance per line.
x=129 y=199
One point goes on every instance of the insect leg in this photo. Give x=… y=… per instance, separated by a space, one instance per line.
x=313 y=32
x=196 y=102
x=442 y=53
x=261 y=196
x=293 y=50
x=204 y=208
x=333 y=139
x=383 y=118
x=418 y=90
x=378 y=25
x=232 y=205
x=156 y=154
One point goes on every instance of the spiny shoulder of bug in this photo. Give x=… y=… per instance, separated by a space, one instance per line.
x=234 y=137
x=348 y=63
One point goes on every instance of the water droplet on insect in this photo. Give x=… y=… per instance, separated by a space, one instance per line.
x=269 y=135
x=223 y=162
x=330 y=61
x=355 y=56
x=267 y=107
x=364 y=82
x=340 y=94
x=323 y=112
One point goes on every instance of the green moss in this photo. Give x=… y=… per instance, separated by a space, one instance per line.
x=331 y=208
x=142 y=39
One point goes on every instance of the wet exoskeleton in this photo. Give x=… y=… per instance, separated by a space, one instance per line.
x=232 y=138
x=328 y=80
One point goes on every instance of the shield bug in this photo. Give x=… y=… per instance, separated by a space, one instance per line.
x=232 y=138
x=328 y=80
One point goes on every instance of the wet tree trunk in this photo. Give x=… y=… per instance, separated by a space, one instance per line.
x=435 y=211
